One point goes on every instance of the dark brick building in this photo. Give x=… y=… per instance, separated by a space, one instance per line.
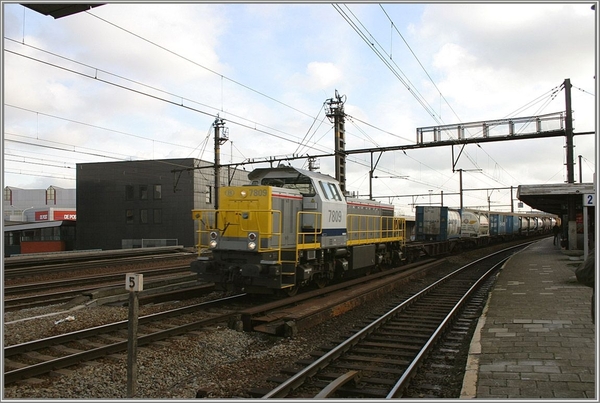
x=143 y=203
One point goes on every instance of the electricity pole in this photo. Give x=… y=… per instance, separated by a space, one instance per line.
x=221 y=136
x=335 y=112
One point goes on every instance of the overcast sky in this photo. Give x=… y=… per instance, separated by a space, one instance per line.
x=146 y=81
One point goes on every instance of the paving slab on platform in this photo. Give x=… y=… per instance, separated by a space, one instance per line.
x=535 y=339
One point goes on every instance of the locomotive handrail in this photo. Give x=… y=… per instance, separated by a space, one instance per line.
x=366 y=229
x=301 y=235
x=209 y=221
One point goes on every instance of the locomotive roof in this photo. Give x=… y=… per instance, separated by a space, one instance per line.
x=287 y=171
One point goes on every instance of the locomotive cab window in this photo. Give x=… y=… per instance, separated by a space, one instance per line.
x=301 y=183
x=334 y=190
x=306 y=189
x=331 y=191
x=326 y=190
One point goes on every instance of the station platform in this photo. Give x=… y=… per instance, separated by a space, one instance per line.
x=535 y=338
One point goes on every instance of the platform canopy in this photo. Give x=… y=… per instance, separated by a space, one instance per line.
x=552 y=198
x=58 y=10
x=9 y=227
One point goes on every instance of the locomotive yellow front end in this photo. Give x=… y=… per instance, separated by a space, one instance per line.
x=247 y=243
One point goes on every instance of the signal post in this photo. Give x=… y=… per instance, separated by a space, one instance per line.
x=134 y=283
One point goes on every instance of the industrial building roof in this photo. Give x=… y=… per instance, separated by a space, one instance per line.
x=34 y=225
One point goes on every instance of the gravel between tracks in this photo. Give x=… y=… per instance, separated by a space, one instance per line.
x=219 y=361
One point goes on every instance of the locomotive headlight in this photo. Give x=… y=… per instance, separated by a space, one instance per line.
x=252 y=236
x=251 y=245
x=212 y=244
x=243 y=193
x=213 y=235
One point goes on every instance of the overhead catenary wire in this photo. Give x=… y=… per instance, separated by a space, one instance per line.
x=189 y=60
x=97 y=126
x=302 y=140
x=397 y=72
x=38 y=173
x=419 y=61
x=136 y=82
x=223 y=77
x=201 y=66
x=156 y=97
x=414 y=93
x=177 y=100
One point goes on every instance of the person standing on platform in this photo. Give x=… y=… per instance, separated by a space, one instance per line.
x=556 y=232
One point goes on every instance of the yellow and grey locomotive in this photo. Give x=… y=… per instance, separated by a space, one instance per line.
x=290 y=228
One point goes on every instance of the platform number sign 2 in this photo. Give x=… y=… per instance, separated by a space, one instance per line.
x=589 y=200
x=134 y=282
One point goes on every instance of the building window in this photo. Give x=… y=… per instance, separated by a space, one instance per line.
x=128 y=192
x=129 y=216
x=50 y=234
x=143 y=192
x=12 y=238
x=50 y=195
x=157 y=216
x=157 y=192
x=8 y=196
x=208 y=194
x=144 y=216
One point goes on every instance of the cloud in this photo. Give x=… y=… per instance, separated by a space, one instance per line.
x=267 y=69
x=323 y=75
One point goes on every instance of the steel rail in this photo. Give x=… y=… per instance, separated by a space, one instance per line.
x=72 y=256
x=45 y=285
x=402 y=382
x=29 y=270
x=299 y=378
x=48 y=366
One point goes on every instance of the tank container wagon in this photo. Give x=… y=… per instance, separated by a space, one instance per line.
x=475 y=227
x=437 y=231
x=441 y=230
x=292 y=228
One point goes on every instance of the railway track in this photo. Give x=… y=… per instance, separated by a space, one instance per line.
x=88 y=282
x=39 y=357
x=43 y=356
x=26 y=267
x=380 y=359
x=61 y=291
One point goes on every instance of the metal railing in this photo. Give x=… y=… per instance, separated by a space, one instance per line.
x=365 y=229
x=307 y=238
x=492 y=128
x=361 y=229
x=265 y=223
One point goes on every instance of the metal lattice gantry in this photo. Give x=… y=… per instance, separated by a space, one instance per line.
x=511 y=127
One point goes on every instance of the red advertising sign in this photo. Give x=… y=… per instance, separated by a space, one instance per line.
x=41 y=216
x=65 y=215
